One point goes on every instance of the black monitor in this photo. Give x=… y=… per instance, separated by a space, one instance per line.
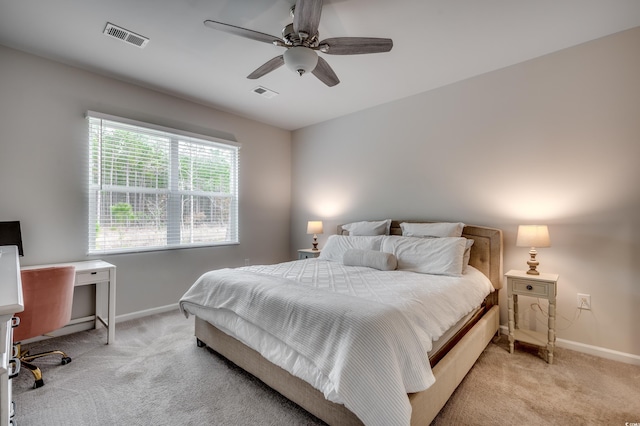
x=10 y=235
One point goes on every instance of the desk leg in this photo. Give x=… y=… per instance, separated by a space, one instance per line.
x=110 y=320
x=111 y=336
x=100 y=302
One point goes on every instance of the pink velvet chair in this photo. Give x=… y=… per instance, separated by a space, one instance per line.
x=48 y=296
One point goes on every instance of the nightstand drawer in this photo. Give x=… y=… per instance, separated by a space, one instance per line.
x=308 y=253
x=91 y=277
x=532 y=288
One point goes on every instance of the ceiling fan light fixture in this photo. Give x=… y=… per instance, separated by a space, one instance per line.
x=300 y=59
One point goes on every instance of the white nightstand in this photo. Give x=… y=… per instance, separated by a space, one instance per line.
x=543 y=286
x=308 y=253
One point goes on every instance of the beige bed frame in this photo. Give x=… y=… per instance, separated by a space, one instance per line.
x=486 y=255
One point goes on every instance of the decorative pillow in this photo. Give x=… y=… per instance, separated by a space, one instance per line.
x=435 y=230
x=337 y=245
x=379 y=227
x=370 y=259
x=467 y=253
x=437 y=256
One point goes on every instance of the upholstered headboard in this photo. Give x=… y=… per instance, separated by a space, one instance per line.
x=486 y=252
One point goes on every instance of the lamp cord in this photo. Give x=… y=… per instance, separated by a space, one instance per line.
x=537 y=306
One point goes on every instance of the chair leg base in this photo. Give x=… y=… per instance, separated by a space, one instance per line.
x=26 y=359
x=35 y=371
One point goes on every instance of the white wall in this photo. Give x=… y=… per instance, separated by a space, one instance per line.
x=43 y=163
x=555 y=140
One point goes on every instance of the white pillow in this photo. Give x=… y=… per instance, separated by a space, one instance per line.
x=467 y=253
x=379 y=227
x=436 y=230
x=370 y=259
x=337 y=245
x=436 y=256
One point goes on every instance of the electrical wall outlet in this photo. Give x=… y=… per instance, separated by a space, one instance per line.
x=247 y=262
x=584 y=301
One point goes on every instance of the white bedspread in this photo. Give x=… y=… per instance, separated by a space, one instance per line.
x=357 y=334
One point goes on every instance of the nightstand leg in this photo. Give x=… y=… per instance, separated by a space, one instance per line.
x=511 y=323
x=552 y=331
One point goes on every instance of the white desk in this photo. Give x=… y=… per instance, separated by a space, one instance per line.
x=103 y=275
x=10 y=302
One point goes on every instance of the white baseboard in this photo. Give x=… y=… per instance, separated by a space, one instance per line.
x=147 y=312
x=67 y=329
x=599 y=351
x=87 y=323
x=590 y=349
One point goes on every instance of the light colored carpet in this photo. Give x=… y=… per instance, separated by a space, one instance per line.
x=522 y=389
x=154 y=374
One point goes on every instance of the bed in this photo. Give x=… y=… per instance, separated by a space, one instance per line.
x=448 y=363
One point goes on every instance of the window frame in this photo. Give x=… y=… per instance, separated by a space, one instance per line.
x=173 y=193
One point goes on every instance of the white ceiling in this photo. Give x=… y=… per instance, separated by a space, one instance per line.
x=436 y=42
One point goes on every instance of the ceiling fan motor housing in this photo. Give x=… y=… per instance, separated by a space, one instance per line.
x=291 y=38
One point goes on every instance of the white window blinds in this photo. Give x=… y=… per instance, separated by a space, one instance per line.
x=154 y=188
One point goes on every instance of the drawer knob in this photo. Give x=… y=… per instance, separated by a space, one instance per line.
x=529 y=287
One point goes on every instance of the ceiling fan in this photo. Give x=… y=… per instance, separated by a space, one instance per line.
x=301 y=39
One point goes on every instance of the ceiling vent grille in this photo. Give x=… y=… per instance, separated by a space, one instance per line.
x=264 y=92
x=125 y=35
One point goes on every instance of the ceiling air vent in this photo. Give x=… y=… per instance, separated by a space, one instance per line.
x=264 y=92
x=125 y=35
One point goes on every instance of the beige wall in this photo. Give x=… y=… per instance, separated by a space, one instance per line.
x=43 y=162
x=554 y=140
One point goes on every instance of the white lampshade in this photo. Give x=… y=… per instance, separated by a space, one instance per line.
x=314 y=227
x=300 y=59
x=533 y=236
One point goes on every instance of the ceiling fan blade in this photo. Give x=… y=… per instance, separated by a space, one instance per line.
x=325 y=73
x=242 y=32
x=267 y=67
x=306 y=16
x=355 y=45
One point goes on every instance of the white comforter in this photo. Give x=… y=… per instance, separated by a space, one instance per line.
x=357 y=334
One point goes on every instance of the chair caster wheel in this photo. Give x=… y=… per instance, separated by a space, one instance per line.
x=65 y=360
x=38 y=384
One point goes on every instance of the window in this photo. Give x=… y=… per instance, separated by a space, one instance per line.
x=153 y=188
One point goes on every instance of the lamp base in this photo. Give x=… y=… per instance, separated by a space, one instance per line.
x=533 y=263
x=532 y=270
x=315 y=243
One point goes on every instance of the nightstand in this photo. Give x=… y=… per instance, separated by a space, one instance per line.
x=308 y=253
x=543 y=286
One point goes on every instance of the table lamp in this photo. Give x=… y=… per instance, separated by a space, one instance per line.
x=314 y=227
x=533 y=236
